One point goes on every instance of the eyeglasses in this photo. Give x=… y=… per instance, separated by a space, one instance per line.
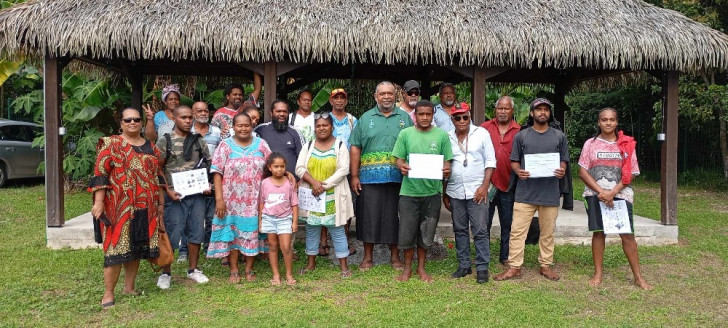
x=413 y=93
x=130 y=119
x=459 y=118
x=324 y=115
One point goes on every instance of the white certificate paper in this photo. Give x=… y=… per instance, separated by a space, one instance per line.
x=190 y=182
x=541 y=165
x=307 y=201
x=615 y=219
x=425 y=166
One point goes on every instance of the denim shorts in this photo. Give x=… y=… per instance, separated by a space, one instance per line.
x=185 y=217
x=276 y=225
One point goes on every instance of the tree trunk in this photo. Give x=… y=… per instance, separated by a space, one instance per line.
x=723 y=141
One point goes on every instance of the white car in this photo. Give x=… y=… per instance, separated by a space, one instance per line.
x=18 y=159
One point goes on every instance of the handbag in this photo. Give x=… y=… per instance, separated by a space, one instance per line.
x=166 y=255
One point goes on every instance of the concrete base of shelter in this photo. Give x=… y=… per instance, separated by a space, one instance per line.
x=571 y=229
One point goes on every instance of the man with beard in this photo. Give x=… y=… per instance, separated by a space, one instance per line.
x=280 y=136
x=447 y=104
x=302 y=119
x=533 y=194
x=503 y=129
x=211 y=134
x=375 y=177
x=410 y=96
x=233 y=102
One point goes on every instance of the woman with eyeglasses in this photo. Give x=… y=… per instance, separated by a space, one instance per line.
x=323 y=165
x=127 y=202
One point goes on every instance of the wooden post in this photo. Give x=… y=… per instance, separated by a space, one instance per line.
x=269 y=88
x=53 y=69
x=668 y=156
x=478 y=95
x=135 y=79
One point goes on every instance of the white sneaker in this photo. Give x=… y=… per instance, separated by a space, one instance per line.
x=198 y=277
x=182 y=258
x=164 y=281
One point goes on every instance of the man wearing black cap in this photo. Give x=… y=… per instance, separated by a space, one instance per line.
x=533 y=193
x=410 y=97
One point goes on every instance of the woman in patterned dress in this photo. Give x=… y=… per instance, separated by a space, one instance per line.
x=127 y=202
x=238 y=169
x=323 y=165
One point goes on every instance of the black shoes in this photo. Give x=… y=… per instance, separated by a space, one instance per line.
x=482 y=277
x=462 y=272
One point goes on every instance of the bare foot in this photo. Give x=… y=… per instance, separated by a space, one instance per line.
x=276 y=281
x=641 y=283
x=234 y=277
x=366 y=265
x=595 y=280
x=290 y=281
x=250 y=276
x=406 y=275
x=424 y=276
x=397 y=265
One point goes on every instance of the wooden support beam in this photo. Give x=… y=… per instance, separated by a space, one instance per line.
x=54 y=178
x=668 y=156
x=269 y=88
x=478 y=95
x=562 y=85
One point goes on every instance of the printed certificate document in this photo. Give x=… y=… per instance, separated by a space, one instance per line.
x=426 y=166
x=541 y=165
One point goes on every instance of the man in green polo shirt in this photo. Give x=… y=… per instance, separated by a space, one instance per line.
x=420 y=198
x=375 y=177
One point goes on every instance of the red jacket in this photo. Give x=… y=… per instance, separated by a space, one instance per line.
x=503 y=147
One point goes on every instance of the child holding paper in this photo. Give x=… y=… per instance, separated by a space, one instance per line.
x=607 y=165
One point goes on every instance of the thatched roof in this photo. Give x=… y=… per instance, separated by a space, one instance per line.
x=603 y=34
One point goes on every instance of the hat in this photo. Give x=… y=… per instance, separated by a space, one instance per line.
x=460 y=109
x=409 y=85
x=541 y=101
x=336 y=92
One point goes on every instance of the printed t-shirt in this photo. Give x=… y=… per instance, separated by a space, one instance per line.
x=413 y=141
x=375 y=135
x=343 y=128
x=176 y=162
x=539 y=191
x=603 y=160
x=277 y=201
x=223 y=119
x=162 y=124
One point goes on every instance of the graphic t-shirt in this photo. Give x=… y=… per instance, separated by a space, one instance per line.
x=162 y=124
x=413 y=141
x=277 y=201
x=223 y=119
x=343 y=127
x=603 y=160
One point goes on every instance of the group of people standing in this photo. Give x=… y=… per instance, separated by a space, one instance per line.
x=361 y=167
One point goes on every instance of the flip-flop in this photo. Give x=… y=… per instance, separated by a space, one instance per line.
x=275 y=282
x=352 y=250
x=250 y=275
x=345 y=274
x=107 y=305
x=234 y=276
x=290 y=281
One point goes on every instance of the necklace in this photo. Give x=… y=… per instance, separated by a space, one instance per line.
x=464 y=149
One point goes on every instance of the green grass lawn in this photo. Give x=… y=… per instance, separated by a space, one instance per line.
x=41 y=287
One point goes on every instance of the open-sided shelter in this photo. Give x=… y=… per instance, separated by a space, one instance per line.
x=555 y=42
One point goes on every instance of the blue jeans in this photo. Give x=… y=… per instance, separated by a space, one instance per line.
x=185 y=219
x=468 y=214
x=504 y=201
x=338 y=238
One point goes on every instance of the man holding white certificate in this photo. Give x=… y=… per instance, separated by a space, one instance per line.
x=425 y=150
x=547 y=150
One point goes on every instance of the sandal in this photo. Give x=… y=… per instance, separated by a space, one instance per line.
x=290 y=281
x=234 y=277
x=275 y=282
x=108 y=305
x=250 y=275
x=345 y=274
x=324 y=250
x=352 y=250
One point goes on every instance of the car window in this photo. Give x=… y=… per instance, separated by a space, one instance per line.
x=14 y=133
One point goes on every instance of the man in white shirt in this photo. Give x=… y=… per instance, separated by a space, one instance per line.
x=302 y=119
x=466 y=192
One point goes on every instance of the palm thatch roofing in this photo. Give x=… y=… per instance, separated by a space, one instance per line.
x=595 y=34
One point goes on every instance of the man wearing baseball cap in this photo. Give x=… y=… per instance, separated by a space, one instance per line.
x=410 y=96
x=466 y=192
x=344 y=122
x=538 y=191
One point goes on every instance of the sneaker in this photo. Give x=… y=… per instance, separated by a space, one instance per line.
x=182 y=258
x=482 y=276
x=462 y=272
x=198 y=277
x=164 y=281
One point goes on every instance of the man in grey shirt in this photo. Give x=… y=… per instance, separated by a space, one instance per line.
x=536 y=194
